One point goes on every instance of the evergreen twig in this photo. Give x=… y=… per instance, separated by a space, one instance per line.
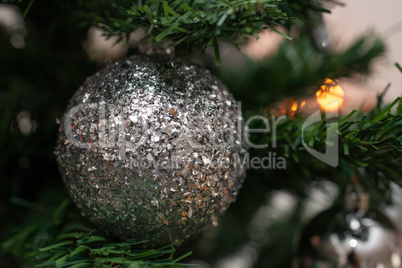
x=55 y=240
x=297 y=69
x=372 y=141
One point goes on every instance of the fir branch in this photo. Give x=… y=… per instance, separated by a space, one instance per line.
x=55 y=240
x=268 y=81
x=194 y=19
x=90 y=250
x=372 y=141
x=197 y=22
x=302 y=9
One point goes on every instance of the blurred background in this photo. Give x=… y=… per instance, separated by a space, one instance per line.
x=346 y=22
x=45 y=57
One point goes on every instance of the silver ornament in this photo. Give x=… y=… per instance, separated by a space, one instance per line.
x=357 y=237
x=150 y=146
x=394 y=211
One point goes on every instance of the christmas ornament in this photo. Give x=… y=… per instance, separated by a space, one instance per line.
x=150 y=145
x=355 y=237
x=394 y=211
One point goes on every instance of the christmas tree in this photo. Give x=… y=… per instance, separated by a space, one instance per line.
x=312 y=168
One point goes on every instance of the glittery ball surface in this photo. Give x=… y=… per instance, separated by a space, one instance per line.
x=151 y=146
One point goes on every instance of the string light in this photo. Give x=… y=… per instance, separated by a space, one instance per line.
x=330 y=95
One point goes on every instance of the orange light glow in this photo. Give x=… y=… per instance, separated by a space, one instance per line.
x=288 y=107
x=295 y=105
x=330 y=96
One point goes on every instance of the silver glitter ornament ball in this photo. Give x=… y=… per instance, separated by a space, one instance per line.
x=151 y=146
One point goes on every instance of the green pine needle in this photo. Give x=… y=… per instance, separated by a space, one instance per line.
x=53 y=240
x=268 y=81
x=398 y=66
x=28 y=8
x=372 y=141
x=195 y=22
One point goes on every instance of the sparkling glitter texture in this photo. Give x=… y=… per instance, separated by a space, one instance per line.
x=151 y=145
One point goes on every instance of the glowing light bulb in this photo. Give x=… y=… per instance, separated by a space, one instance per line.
x=295 y=106
x=330 y=95
x=287 y=106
